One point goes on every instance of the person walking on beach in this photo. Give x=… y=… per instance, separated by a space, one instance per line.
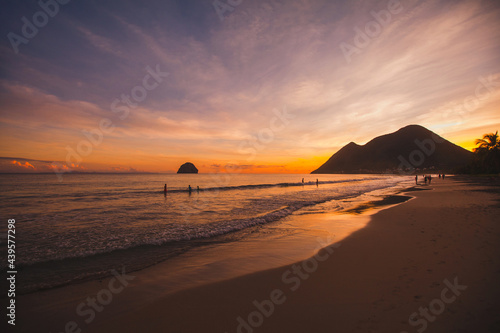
x=425 y=179
x=416 y=179
x=430 y=178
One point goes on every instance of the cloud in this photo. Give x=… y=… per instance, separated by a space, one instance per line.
x=23 y=165
x=26 y=165
x=125 y=169
x=247 y=168
x=227 y=77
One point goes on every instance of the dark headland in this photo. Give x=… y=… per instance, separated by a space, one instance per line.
x=411 y=148
x=187 y=168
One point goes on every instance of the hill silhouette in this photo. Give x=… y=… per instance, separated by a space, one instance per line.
x=187 y=167
x=411 y=148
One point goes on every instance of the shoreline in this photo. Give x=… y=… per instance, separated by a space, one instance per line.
x=217 y=309
x=284 y=242
x=171 y=252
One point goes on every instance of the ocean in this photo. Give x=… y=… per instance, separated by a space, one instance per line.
x=88 y=224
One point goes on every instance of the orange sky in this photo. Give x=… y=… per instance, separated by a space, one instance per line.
x=271 y=87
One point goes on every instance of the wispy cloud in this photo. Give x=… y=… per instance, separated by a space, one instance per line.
x=227 y=77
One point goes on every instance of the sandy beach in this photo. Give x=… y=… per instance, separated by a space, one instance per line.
x=229 y=166
x=429 y=264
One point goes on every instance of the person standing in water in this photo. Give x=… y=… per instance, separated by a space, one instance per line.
x=165 y=189
x=190 y=189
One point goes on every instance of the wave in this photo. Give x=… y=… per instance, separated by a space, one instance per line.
x=87 y=245
x=263 y=186
x=181 y=226
x=191 y=232
x=82 y=196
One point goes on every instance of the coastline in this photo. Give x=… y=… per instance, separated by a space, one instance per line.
x=76 y=236
x=377 y=277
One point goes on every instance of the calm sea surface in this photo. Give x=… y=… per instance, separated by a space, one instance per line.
x=89 y=223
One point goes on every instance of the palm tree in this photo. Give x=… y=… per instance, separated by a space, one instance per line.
x=489 y=142
x=487 y=154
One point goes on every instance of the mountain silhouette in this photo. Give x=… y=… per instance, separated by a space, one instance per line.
x=411 y=148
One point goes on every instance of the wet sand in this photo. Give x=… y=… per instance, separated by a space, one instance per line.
x=435 y=258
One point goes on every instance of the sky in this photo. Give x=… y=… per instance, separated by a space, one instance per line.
x=258 y=86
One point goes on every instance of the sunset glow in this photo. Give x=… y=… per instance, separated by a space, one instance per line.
x=270 y=87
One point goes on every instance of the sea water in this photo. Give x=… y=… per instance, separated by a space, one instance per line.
x=88 y=224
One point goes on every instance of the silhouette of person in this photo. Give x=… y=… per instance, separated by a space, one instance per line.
x=317 y=182
x=425 y=179
x=302 y=180
x=416 y=179
x=165 y=189
x=198 y=189
x=430 y=178
x=190 y=189
x=443 y=175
